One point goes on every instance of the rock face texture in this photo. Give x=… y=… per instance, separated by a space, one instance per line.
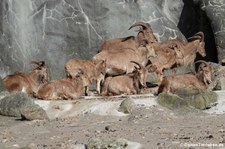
x=215 y=10
x=58 y=30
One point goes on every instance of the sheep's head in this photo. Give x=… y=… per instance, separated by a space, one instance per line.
x=41 y=70
x=149 y=47
x=141 y=74
x=81 y=77
x=100 y=66
x=205 y=71
x=145 y=32
x=198 y=40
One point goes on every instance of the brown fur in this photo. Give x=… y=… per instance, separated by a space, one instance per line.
x=93 y=69
x=27 y=82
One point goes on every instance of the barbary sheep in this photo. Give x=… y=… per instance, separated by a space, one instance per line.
x=118 y=62
x=132 y=42
x=200 y=80
x=27 y=82
x=67 y=88
x=126 y=84
x=93 y=69
x=186 y=51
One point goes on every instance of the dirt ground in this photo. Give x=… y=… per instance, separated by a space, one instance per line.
x=146 y=127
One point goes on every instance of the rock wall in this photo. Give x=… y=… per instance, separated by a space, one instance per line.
x=215 y=10
x=57 y=30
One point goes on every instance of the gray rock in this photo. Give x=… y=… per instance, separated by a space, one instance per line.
x=56 y=31
x=1 y=85
x=19 y=104
x=172 y=101
x=188 y=98
x=198 y=98
x=215 y=11
x=107 y=144
x=33 y=112
x=126 y=106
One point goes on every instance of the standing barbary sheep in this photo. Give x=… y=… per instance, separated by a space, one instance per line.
x=118 y=62
x=126 y=84
x=145 y=33
x=186 y=52
x=67 y=88
x=200 y=80
x=93 y=69
x=27 y=82
x=165 y=59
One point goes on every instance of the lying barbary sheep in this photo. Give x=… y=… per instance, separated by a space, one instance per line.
x=27 y=82
x=200 y=80
x=67 y=88
x=126 y=84
x=93 y=69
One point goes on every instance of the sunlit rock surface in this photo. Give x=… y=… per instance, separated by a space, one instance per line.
x=57 y=30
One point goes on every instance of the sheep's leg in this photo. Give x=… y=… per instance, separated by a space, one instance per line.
x=98 y=83
x=159 y=76
x=86 y=90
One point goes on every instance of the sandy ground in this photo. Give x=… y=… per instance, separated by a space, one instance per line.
x=73 y=124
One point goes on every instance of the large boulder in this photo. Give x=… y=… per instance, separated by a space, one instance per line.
x=21 y=105
x=188 y=98
x=56 y=31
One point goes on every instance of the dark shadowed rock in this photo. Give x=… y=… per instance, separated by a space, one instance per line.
x=19 y=104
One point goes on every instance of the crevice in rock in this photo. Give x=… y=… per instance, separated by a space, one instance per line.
x=193 y=20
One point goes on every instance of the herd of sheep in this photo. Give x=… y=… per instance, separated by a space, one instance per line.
x=120 y=67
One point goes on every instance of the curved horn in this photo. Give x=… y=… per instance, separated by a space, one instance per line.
x=140 y=66
x=201 y=34
x=144 y=25
x=194 y=38
x=202 y=61
x=40 y=63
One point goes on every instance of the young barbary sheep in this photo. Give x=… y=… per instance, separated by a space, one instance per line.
x=93 y=69
x=27 y=82
x=67 y=88
x=200 y=80
x=126 y=84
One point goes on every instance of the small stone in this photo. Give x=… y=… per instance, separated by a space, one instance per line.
x=126 y=106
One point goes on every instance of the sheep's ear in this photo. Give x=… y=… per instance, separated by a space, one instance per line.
x=130 y=74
